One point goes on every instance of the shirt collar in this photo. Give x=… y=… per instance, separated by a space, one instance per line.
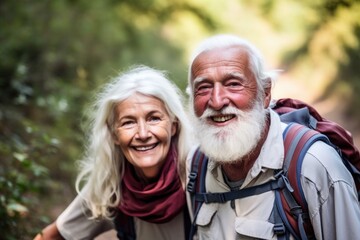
x=272 y=152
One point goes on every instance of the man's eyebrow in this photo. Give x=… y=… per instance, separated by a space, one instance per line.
x=197 y=80
x=237 y=75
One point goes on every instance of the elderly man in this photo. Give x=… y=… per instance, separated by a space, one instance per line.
x=230 y=93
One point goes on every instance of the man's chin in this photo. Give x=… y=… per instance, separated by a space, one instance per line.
x=221 y=135
x=218 y=148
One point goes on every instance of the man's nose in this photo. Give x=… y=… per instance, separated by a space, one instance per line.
x=218 y=98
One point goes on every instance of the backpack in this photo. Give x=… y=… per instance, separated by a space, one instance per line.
x=290 y=212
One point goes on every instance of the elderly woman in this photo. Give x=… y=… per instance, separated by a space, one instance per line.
x=133 y=170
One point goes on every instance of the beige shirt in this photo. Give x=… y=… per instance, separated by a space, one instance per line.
x=73 y=224
x=324 y=179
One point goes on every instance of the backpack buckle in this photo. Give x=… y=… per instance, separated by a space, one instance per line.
x=279 y=229
x=278 y=173
x=280 y=176
x=214 y=197
x=296 y=211
x=287 y=183
x=191 y=184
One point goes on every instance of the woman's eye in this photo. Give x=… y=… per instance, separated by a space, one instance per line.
x=127 y=123
x=154 y=119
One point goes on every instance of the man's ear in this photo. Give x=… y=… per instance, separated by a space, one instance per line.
x=267 y=96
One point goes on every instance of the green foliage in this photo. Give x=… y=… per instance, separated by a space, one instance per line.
x=348 y=85
x=23 y=178
x=326 y=48
x=55 y=54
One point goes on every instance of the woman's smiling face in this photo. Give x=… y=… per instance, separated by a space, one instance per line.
x=143 y=132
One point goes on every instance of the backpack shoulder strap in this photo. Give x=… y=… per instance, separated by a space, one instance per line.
x=196 y=184
x=292 y=206
x=197 y=174
x=297 y=141
x=196 y=188
x=125 y=227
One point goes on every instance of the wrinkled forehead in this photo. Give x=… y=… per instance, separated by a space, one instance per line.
x=233 y=57
x=240 y=49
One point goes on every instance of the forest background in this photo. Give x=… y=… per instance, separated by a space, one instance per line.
x=55 y=54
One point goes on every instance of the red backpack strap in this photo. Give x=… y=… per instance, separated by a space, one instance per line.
x=297 y=141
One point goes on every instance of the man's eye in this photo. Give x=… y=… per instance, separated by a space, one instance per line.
x=202 y=88
x=234 y=84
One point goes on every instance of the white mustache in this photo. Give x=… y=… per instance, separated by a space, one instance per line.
x=225 y=111
x=233 y=141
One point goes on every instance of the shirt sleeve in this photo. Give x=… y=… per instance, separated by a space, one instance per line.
x=74 y=224
x=331 y=194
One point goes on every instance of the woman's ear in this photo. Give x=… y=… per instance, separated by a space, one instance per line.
x=115 y=138
x=116 y=141
x=174 y=127
x=113 y=134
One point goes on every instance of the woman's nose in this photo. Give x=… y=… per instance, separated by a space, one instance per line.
x=143 y=130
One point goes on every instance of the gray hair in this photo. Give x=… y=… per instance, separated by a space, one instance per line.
x=264 y=79
x=102 y=168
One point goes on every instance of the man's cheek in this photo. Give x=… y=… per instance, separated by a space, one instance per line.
x=199 y=107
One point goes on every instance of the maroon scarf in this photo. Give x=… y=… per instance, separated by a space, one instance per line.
x=156 y=202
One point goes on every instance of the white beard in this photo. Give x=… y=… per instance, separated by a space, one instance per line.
x=233 y=141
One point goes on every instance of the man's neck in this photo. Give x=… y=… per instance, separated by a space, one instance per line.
x=239 y=169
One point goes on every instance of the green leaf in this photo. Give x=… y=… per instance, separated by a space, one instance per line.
x=20 y=156
x=13 y=208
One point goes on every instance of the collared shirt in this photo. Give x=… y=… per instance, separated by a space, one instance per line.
x=328 y=187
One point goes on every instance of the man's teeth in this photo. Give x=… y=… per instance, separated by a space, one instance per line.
x=145 y=148
x=222 y=118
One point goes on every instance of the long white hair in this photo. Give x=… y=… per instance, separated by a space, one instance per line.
x=102 y=168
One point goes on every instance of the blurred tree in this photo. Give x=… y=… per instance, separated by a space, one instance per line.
x=53 y=55
x=326 y=54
